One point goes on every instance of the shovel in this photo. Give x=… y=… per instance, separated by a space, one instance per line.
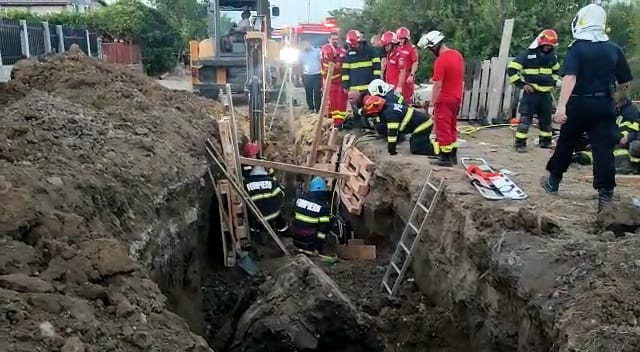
x=246 y=263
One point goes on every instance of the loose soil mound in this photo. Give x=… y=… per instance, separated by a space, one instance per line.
x=85 y=150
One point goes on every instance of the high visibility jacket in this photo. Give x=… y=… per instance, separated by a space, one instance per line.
x=392 y=70
x=266 y=193
x=337 y=58
x=390 y=97
x=405 y=119
x=628 y=122
x=361 y=66
x=535 y=68
x=621 y=155
x=312 y=216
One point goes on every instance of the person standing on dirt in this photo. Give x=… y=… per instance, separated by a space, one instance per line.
x=267 y=194
x=536 y=71
x=361 y=66
x=448 y=77
x=408 y=59
x=312 y=217
x=311 y=73
x=592 y=66
x=252 y=150
x=332 y=52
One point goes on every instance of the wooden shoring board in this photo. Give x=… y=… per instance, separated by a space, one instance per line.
x=237 y=211
x=229 y=241
x=233 y=209
x=354 y=190
x=356 y=252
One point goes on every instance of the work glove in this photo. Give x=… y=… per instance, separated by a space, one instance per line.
x=391 y=148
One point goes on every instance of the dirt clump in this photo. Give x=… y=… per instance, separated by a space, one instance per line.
x=317 y=318
x=86 y=151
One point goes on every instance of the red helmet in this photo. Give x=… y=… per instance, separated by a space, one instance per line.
x=250 y=149
x=548 y=37
x=372 y=105
x=403 y=33
x=353 y=37
x=387 y=38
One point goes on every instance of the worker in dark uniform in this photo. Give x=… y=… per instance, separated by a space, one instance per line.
x=378 y=87
x=401 y=118
x=592 y=66
x=536 y=71
x=312 y=217
x=361 y=65
x=267 y=195
x=251 y=150
x=628 y=122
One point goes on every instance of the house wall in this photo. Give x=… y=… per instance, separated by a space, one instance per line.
x=37 y=9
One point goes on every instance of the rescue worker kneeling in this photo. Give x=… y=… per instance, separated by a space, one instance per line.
x=401 y=118
x=380 y=88
x=267 y=194
x=312 y=217
x=251 y=150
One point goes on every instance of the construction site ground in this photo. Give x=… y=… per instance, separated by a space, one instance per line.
x=105 y=239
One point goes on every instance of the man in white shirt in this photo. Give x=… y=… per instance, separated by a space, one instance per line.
x=244 y=25
x=311 y=70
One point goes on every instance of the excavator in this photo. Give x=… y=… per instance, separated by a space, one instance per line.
x=238 y=52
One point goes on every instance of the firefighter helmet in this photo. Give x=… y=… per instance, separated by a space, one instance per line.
x=373 y=105
x=318 y=184
x=431 y=40
x=250 y=149
x=258 y=171
x=387 y=38
x=403 y=33
x=353 y=37
x=379 y=87
x=548 y=37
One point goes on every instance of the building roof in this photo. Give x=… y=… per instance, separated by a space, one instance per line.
x=35 y=2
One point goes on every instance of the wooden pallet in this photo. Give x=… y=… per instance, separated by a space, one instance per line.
x=224 y=209
x=354 y=190
x=234 y=209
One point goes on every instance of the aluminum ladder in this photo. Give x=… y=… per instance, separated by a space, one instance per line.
x=411 y=235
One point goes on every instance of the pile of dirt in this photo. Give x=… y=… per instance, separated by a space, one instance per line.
x=86 y=148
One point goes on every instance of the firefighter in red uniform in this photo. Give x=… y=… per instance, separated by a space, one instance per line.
x=407 y=54
x=333 y=52
x=390 y=72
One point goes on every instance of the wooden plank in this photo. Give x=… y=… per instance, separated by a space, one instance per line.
x=508 y=96
x=355 y=241
x=475 y=93
x=492 y=91
x=484 y=87
x=499 y=70
x=320 y=117
x=356 y=252
x=297 y=169
x=466 y=103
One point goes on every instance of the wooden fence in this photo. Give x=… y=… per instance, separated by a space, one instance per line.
x=120 y=53
x=480 y=92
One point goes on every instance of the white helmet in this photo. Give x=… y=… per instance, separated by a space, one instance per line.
x=430 y=39
x=379 y=87
x=258 y=171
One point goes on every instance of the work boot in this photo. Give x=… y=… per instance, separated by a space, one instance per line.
x=454 y=156
x=550 y=184
x=444 y=160
x=521 y=145
x=605 y=197
x=545 y=144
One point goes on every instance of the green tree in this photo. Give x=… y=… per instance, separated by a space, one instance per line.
x=188 y=16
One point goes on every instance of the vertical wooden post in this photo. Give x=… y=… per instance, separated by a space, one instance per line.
x=498 y=72
x=320 y=119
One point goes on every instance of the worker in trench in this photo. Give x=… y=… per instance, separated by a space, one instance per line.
x=361 y=65
x=407 y=58
x=448 y=77
x=400 y=118
x=626 y=153
x=586 y=104
x=536 y=71
x=252 y=150
x=312 y=218
x=332 y=52
x=268 y=196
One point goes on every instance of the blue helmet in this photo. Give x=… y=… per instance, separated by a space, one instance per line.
x=318 y=184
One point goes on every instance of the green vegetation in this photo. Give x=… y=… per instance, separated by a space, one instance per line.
x=475 y=26
x=161 y=32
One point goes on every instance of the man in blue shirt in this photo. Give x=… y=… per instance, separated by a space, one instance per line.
x=592 y=68
x=311 y=70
